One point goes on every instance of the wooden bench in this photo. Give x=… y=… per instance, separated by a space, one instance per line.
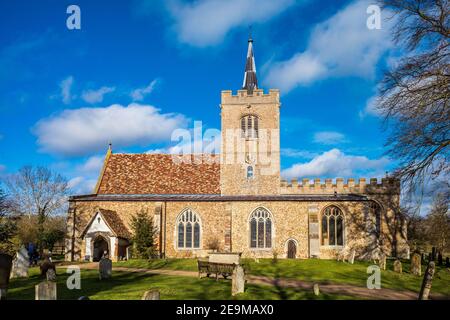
x=223 y=269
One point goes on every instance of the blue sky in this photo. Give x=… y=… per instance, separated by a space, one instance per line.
x=137 y=70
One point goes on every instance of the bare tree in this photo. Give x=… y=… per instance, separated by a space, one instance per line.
x=438 y=223
x=414 y=95
x=3 y=203
x=37 y=191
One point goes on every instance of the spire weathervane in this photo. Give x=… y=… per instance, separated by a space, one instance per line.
x=250 y=81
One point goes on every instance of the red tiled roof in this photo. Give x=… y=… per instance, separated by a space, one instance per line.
x=158 y=174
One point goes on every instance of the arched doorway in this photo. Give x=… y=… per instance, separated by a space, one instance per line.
x=292 y=249
x=100 y=246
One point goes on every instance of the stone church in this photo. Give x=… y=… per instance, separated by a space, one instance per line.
x=235 y=201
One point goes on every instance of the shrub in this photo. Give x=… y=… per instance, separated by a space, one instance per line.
x=143 y=235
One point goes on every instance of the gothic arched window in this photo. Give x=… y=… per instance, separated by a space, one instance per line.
x=188 y=230
x=249 y=126
x=332 y=227
x=260 y=229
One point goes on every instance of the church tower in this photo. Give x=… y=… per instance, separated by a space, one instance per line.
x=250 y=150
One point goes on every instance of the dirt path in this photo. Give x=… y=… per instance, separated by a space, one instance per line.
x=342 y=289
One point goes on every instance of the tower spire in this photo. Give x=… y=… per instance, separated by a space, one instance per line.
x=250 y=82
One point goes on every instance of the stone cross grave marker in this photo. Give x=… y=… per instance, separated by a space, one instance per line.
x=426 y=283
x=21 y=264
x=238 y=280
x=416 y=266
x=45 y=290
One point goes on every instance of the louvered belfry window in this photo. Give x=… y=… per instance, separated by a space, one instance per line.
x=249 y=126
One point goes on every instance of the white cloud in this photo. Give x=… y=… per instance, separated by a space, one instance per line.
x=86 y=130
x=339 y=46
x=66 y=87
x=96 y=96
x=334 y=163
x=329 y=137
x=92 y=165
x=370 y=108
x=140 y=93
x=206 y=22
x=82 y=185
x=295 y=153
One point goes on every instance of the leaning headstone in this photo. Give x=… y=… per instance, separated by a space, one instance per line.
x=351 y=259
x=426 y=283
x=439 y=259
x=51 y=275
x=151 y=295
x=382 y=261
x=21 y=264
x=316 y=289
x=105 y=268
x=416 y=266
x=398 y=266
x=238 y=280
x=45 y=290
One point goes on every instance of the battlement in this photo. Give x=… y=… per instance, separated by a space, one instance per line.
x=387 y=186
x=257 y=96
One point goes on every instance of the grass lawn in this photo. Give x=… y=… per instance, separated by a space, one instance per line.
x=316 y=270
x=130 y=286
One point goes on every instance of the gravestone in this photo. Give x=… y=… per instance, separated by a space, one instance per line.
x=151 y=295
x=45 y=266
x=238 y=280
x=447 y=262
x=351 y=258
x=51 y=275
x=398 y=266
x=416 y=266
x=105 y=268
x=3 y=293
x=382 y=261
x=45 y=290
x=316 y=289
x=433 y=254
x=21 y=264
x=439 y=259
x=426 y=283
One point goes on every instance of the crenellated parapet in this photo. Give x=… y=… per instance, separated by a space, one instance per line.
x=256 y=97
x=360 y=186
